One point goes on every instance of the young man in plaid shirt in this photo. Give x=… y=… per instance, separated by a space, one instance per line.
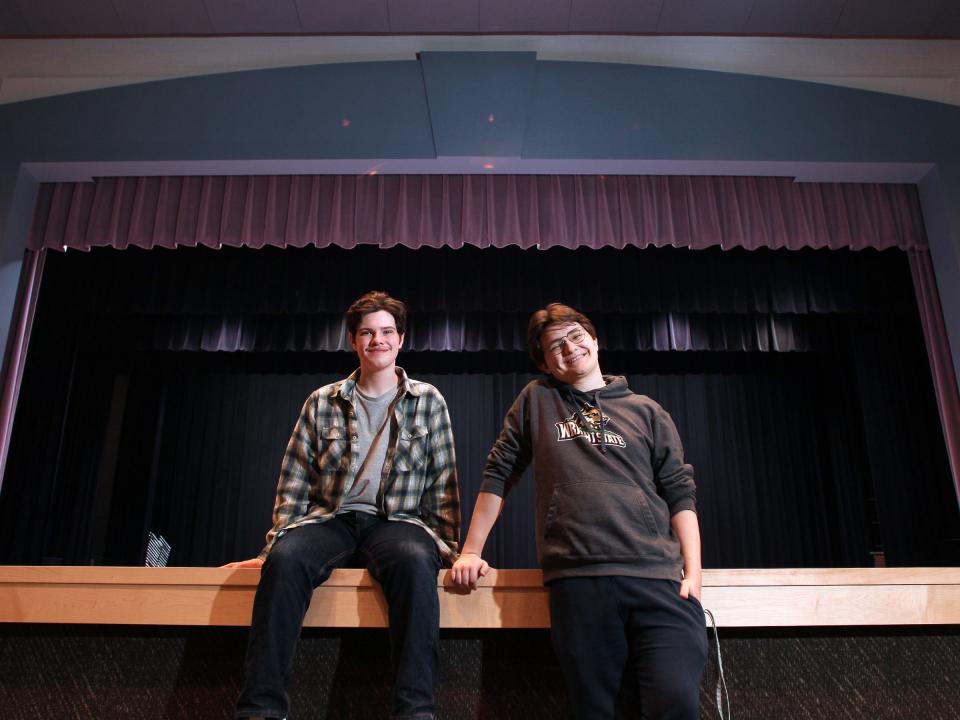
x=369 y=475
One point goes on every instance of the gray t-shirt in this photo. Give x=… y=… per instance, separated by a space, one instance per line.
x=371 y=415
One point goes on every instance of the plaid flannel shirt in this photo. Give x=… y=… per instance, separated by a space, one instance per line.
x=419 y=480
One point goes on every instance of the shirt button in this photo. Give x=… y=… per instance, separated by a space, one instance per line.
x=354 y=436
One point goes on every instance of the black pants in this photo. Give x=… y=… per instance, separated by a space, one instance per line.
x=401 y=556
x=600 y=624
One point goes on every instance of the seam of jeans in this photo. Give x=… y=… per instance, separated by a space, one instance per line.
x=371 y=562
x=332 y=561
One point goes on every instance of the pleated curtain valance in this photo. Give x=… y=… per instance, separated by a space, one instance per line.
x=527 y=211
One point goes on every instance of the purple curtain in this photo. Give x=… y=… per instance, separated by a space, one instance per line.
x=415 y=211
x=20 y=339
x=938 y=353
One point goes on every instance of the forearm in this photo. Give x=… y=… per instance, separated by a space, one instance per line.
x=687 y=529
x=485 y=514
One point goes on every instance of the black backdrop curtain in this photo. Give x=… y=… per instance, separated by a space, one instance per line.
x=307 y=281
x=473 y=300
x=816 y=457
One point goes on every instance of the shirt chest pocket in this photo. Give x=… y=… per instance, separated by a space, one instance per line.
x=411 y=454
x=333 y=446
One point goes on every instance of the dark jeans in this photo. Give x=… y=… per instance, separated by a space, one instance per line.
x=401 y=556
x=599 y=624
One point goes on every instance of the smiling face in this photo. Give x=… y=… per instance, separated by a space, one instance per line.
x=376 y=342
x=571 y=356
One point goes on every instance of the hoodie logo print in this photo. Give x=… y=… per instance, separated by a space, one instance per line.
x=573 y=428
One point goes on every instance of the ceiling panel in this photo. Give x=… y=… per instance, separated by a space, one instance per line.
x=624 y=16
x=794 y=17
x=69 y=17
x=704 y=16
x=946 y=22
x=253 y=16
x=879 y=18
x=358 y=16
x=12 y=21
x=824 y=18
x=534 y=16
x=430 y=16
x=170 y=17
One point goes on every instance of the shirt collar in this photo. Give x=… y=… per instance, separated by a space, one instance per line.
x=349 y=385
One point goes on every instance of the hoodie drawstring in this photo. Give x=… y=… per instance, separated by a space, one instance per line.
x=603 y=432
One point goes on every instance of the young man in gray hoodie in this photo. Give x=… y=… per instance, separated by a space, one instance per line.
x=617 y=530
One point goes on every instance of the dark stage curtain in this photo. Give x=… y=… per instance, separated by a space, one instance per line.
x=292 y=301
x=787 y=469
x=293 y=282
x=817 y=457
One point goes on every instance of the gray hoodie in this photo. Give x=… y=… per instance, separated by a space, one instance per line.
x=609 y=474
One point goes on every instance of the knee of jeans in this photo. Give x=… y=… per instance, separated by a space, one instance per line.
x=284 y=561
x=416 y=559
x=679 y=693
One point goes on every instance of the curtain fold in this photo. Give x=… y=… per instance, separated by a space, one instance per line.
x=527 y=211
x=461 y=332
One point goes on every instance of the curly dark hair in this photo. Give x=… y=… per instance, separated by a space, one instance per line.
x=371 y=302
x=553 y=314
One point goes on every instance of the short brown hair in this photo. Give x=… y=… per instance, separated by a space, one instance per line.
x=553 y=314
x=372 y=302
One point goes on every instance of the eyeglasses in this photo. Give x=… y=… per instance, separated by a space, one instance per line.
x=572 y=337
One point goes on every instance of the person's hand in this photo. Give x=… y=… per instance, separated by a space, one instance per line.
x=691 y=585
x=251 y=563
x=468 y=569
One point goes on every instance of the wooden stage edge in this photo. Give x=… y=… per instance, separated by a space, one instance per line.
x=505 y=598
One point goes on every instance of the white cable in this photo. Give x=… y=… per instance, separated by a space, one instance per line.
x=722 y=691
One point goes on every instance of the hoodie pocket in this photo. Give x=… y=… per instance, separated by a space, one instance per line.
x=600 y=520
